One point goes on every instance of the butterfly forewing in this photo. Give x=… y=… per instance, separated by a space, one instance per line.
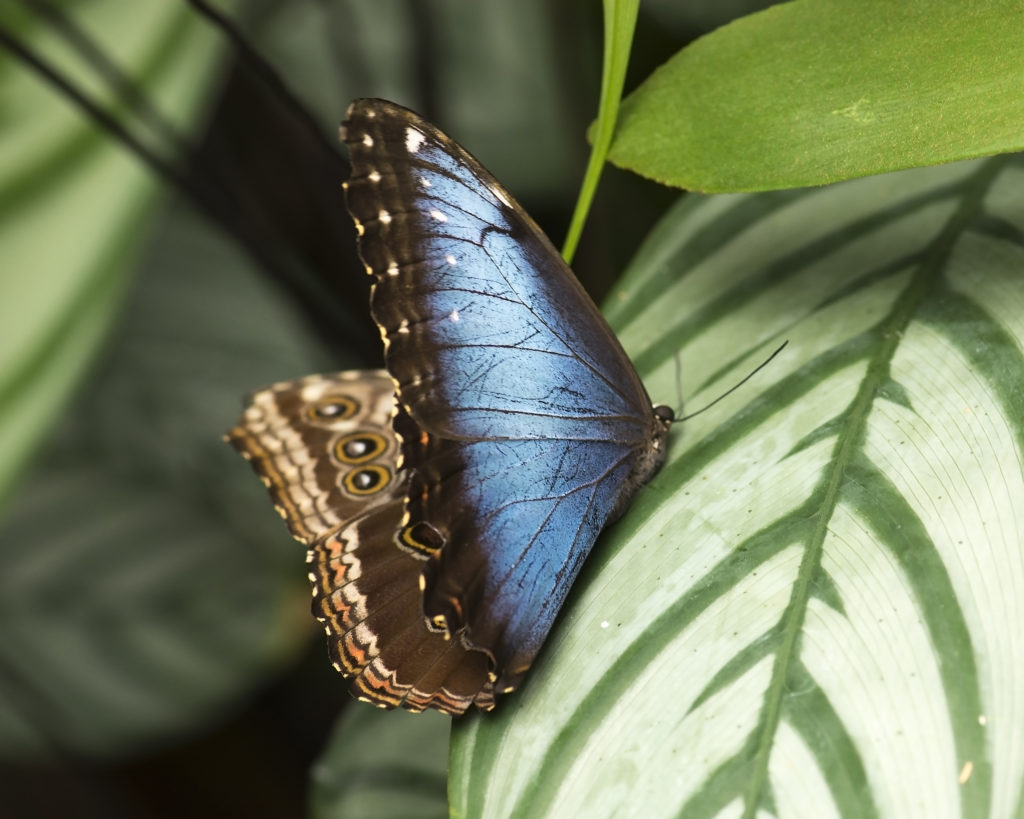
x=527 y=426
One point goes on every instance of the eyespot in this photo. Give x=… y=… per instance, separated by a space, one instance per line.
x=421 y=538
x=368 y=480
x=360 y=447
x=333 y=408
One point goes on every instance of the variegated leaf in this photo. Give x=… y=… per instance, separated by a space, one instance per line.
x=815 y=609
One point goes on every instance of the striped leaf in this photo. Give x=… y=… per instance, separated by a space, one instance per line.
x=74 y=203
x=145 y=583
x=814 y=610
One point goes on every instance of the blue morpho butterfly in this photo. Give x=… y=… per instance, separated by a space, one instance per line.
x=449 y=501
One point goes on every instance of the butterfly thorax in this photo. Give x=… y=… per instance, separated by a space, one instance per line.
x=651 y=460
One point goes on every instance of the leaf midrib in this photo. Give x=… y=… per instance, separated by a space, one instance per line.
x=851 y=436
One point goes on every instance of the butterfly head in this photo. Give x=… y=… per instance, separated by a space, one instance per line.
x=665 y=414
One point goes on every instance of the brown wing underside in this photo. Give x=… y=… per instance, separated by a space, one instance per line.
x=325 y=449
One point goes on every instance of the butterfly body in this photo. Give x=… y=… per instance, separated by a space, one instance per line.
x=520 y=428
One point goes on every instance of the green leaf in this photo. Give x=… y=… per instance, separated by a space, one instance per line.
x=813 y=609
x=146 y=584
x=388 y=765
x=818 y=91
x=619 y=25
x=74 y=203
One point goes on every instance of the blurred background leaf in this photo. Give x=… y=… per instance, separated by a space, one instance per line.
x=75 y=205
x=400 y=774
x=143 y=582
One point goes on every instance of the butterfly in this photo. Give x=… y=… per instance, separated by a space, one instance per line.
x=449 y=501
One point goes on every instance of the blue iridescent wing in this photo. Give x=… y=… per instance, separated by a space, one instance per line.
x=524 y=427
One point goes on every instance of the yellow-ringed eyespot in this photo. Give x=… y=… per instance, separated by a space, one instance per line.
x=332 y=408
x=360 y=447
x=367 y=479
x=421 y=538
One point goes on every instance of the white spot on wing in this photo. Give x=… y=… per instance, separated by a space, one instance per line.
x=454 y=316
x=384 y=217
x=438 y=216
x=367 y=140
x=373 y=176
x=451 y=260
x=392 y=269
x=413 y=139
x=425 y=183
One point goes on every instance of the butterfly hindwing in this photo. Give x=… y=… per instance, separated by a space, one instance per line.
x=290 y=433
x=326 y=450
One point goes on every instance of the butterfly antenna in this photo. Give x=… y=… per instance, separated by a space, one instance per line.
x=679 y=380
x=739 y=384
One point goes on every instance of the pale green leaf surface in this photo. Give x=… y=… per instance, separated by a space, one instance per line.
x=818 y=91
x=813 y=609
x=73 y=204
